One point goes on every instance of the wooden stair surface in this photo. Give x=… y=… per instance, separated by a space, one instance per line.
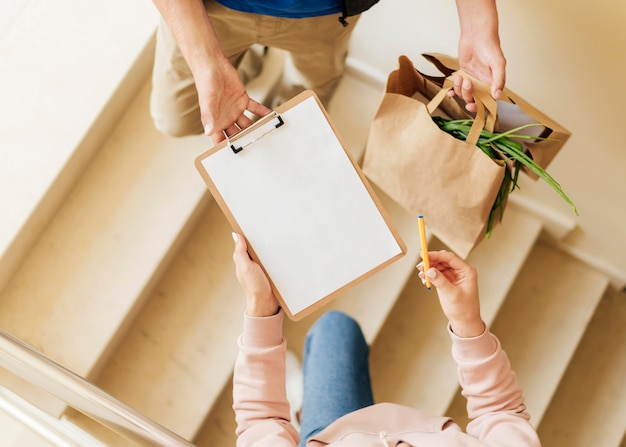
x=90 y=272
x=11 y=428
x=589 y=406
x=179 y=353
x=26 y=437
x=59 y=77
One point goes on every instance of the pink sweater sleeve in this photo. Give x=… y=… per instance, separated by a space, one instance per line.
x=259 y=396
x=495 y=403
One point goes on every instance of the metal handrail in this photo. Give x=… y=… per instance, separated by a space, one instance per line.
x=38 y=369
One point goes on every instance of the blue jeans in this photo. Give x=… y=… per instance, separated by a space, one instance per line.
x=336 y=373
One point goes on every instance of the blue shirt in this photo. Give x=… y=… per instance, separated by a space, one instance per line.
x=286 y=8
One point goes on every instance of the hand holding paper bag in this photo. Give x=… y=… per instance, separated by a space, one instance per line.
x=447 y=172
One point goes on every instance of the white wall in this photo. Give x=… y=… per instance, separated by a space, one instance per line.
x=568 y=59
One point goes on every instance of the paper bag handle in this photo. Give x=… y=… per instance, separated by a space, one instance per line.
x=479 y=121
x=482 y=91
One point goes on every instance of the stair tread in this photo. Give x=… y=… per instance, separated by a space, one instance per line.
x=41 y=136
x=517 y=234
x=74 y=293
x=30 y=438
x=557 y=325
x=11 y=428
x=427 y=378
x=589 y=407
x=181 y=348
x=352 y=121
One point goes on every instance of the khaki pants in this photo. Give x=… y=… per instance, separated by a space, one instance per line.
x=317 y=48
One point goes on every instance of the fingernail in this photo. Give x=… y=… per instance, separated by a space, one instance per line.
x=431 y=273
x=235 y=237
x=208 y=129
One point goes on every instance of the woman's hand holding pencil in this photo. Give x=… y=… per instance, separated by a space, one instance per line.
x=457 y=288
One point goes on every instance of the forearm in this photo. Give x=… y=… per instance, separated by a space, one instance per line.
x=495 y=402
x=477 y=17
x=467 y=328
x=259 y=396
x=193 y=32
x=488 y=381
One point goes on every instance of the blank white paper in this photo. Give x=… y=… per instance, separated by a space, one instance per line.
x=303 y=207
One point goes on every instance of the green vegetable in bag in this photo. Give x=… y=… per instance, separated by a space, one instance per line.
x=502 y=148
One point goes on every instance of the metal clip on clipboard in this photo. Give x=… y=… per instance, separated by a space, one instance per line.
x=255 y=132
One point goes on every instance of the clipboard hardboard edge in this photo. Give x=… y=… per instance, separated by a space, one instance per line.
x=236 y=227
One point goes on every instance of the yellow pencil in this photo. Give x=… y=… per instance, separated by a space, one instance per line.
x=420 y=220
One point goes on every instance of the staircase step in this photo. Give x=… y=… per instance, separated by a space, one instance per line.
x=28 y=438
x=411 y=361
x=219 y=427
x=589 y=406
x=10 y=428
x=179 y=353
x=54 y=87
x=542 y=322
x=352 y=109
x=93 y=266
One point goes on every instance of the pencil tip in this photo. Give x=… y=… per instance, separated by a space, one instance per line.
x=428 y=289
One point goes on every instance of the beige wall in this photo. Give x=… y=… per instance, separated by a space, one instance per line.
x=567 y=58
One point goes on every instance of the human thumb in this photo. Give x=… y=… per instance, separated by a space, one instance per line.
x=237 y=241
x=239 y=255
x=437 y=279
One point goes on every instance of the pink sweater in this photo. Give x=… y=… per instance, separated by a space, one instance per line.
x=494 y=400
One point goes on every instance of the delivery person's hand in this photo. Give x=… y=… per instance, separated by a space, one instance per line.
x=223 y=101
x=480 y=53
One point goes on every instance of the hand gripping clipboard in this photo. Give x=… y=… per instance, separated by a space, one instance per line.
x=311 y=219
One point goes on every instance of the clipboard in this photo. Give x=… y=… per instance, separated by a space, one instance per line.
x=310 y=217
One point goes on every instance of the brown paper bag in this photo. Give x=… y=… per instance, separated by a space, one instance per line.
x=426 y=170
x=509 y=112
